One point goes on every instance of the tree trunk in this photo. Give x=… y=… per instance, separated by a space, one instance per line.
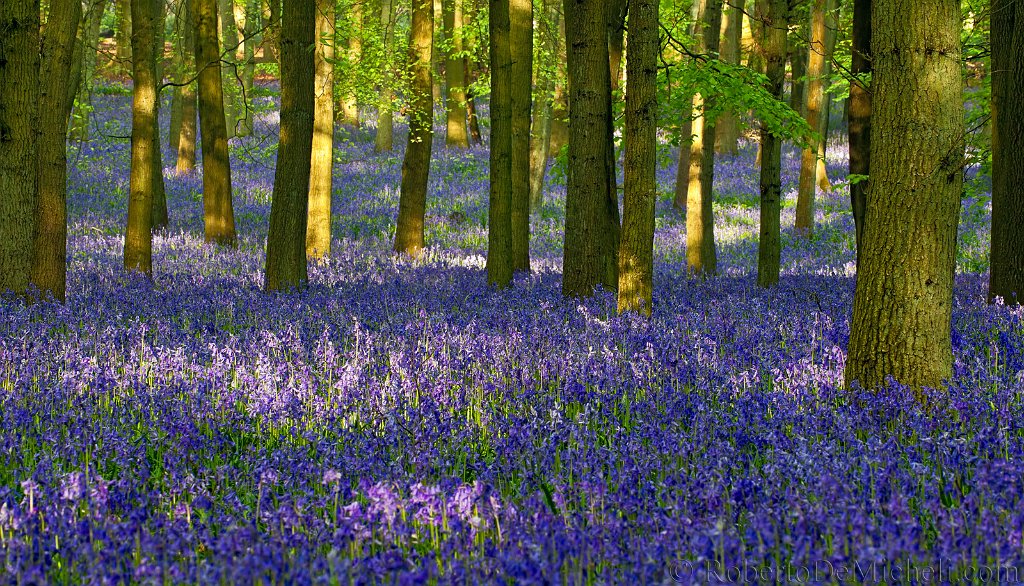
x=560 y=103
x=1006 y=278
x=590 y=255
x=233 y=104
x=286 y=239
x=19 y=100
x=159 y=198
x=83 y=100
x=138 y=241
x=521 y=50
x=272 y=33
x=318 y=230
x=798 y=56
x=349 y=104
x=470 y=66
x=616 y=15
x=817 y=54
x=698 y=11
x=859 y=116
x=218 y=212
x=700 y=222
x=186 y=151
x=456 y=133
x=499 y=224
x=540 y=128
x=385 y=119
x=248 y=65
x=416 y=165
x=636 y=251
x=123 y=35
x=728 y=127
x=902 y=305
x=772 y=14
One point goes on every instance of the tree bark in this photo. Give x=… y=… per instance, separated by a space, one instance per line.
x=456 y=132
x=384 y=138
x=859 y=116
x=616 y=33
x=772 y=14
x=83 y=108
x=728 y=127
x=521 y=51
x=186 y=151
x=636 y=251
x=499 y=225
x=416 y=165
x=698 y=11
x=814 y=95
x=902 y=305
x=318 y=230
x=590 y=255
x=19 y=100
x=233 y=103
x=470 y=66
x=123 y=34
x=248 y=65
x=701 y=257
x=218 y=212
x=540 y=127
x=159 y=199
x=560 y=103
x=349 y=104
x=138 y=241
x=1006 y=277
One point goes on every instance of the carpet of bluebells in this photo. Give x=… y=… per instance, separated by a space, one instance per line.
x=399 y=422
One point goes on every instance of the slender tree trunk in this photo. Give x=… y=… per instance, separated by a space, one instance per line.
x=416 y=165
x=698 y=12
x=186 y=150
x=616 y=33
x=814 y=96
x=591 y=215
x=772 y=16
x=499 y=225
x=349 y=105
x=902 y=305
x=1006 y=277
x=470 y=66
x=233 y=103
x=700 y=223
x=385 y=119
x=159 y=198
x=19 y=100
x=456 y=133
x=798 y=55
x=138 y=241
x=272 y=34
x=728 y=127
x=636 y=251
x=521 y=50
x=248 y=65
x=318 y=230
x=540 y=128
x=859 y=116
x=218 y=212
x=286 y=239
x=560 y=103
x=80 y=121
x=123 y=34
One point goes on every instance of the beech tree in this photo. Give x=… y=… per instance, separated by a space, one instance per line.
x=772 y=16
x=499 y=225
x=859 y=116
x=318 y=230
x=540 y=127
x=186 y=142
x=385 y=118
x=456 y=131
x=520 y=42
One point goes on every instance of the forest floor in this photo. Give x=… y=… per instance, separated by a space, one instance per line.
x=399 y=422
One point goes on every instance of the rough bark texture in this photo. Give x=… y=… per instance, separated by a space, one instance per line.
x=859 y=116
x=383 y=141
x=772 y=14
x=138 y=241
x=901 y=309
x=540 y=127
x=456 y=131
x=616 y=34
x=19 y=78
x=521 y=50
x=318 y=230
x=286 y=238
x=499 y=224
x=49 y=259
x=1006 y=278
x=636 y=251
x=814 y=93
x=218 y=212
x=186 y=150
x=416 y=165
x=728 y=127
x=349 y=105
x=701 y=257
x=590 y=255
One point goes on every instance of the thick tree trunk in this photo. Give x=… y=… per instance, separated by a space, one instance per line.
x=772 y=14
x=349 y=105
x=499 y=225
x=814 y=95
x=19 y=100
x=701 y=257
x=902 y=305
x=456 y=132
x=318 y=230
x=728 y=127
x=159 y=198
x=859 y=115
x=138 y=241
x=592 y=215
x=416 y=165
x=636 y=251
x=540 y=127
x=186 y=150
x=521 y=50
x=1006 y=277
x=286 y=238
x=218 y=211
x=385 y=119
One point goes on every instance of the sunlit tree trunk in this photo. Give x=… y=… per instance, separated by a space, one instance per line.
x=772 y=14
x=701 y=257
x=416 y=165
x=123 y=33
x=470 y=66
x=349 y=105
x=230 y=73
x=456 y=132
x=218 y=211
x=272 y=32
x=636 y=251
x=318 y=230
x=560 y=102
x=728 y=127
x=186 y=151
x=813 y=100
x=138 y=241
x=903 y=300
x=385 y=118
x=590 y=255
x=521 y=51
x=859 y=115
x=248 y=65
x=831 y=36
x=286 y=239
x=159 y=198
x=1006 y=277
x=499 y=224
x=19 y=100
x=540 y=127
x=698 y=13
